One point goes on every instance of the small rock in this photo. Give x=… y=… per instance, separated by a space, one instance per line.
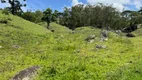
x=73 y=32
x=0 y=47
x=90 y=38
x=26 y=74
x=139 y=26
x=37 y=42
x=130 y=35
x=104 y=39
x=52 y=30
x=101 y=46
x=130 y=61
x=91 y=41
x=118 y=32
x=15 y=46
x=104 y=35
x=77 y=51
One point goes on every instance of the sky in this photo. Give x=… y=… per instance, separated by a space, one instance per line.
x=60 y=4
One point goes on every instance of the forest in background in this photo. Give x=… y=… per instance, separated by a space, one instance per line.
x=99 y=15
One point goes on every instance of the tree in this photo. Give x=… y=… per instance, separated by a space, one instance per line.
x=76 y=15
x=47 y=16
x=100 y=16
x=55 y=16
x=15 y=6
x=66 y=19
x=140 y=11
x=29 y=15
x=39 y=16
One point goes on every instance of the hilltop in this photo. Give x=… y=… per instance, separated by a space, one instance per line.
x=65 y=54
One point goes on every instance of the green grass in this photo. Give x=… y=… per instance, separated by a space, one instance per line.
x=56 y=27
x=66 y=56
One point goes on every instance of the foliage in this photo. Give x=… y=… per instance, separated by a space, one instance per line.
x=99 y=15
x=47 y=16
x=35 y=17
x=15 y=6
x=63 y=55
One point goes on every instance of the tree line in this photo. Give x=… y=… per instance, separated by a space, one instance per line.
x=99 y=15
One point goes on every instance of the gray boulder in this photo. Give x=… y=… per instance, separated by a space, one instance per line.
x=101 y=46
x=104 y=35
x=90 y=38
x=139 y=26
x=130 y=35
x=26 y=74
x=16 y=46
x=118 y=32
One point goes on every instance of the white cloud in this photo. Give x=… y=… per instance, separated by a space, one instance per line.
x=76 y=2
x=137 y=3
x=119 y=4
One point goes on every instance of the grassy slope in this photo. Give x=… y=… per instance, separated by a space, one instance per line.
x=16 y=32
x=66 y=56
x=56 y=27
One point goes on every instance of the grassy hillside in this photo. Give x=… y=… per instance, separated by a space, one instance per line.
x=138 y=32
x=56 y=27
x=66 y=56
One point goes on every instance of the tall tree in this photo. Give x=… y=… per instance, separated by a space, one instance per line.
x=15 y=5
x=55 y=16
x=76 y=15
x=29 y=15
x=66 y=20
x=39 y=16
x=47 y=16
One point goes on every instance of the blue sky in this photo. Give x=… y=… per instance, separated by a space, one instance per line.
x=43 y=4
x=59 y=4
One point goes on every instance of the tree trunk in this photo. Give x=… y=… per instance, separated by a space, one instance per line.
x=48 y=24
x=13 y=7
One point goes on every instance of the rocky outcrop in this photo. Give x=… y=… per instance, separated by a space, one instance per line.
x=26 y=74
x=139 y=26
x=130 y=35
x=101 y=46
x=130 y=29
x=104 y=35
x=118 y=32
x=90 y=38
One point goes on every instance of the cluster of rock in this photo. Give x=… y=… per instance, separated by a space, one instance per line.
x=118 y=32
x=104 y=35
x=130 y=29
x=101 y=46
x=90 y=38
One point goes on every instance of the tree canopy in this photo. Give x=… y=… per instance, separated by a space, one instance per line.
x=15 y=6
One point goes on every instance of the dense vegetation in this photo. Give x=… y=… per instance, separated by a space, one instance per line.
x=99 y=15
